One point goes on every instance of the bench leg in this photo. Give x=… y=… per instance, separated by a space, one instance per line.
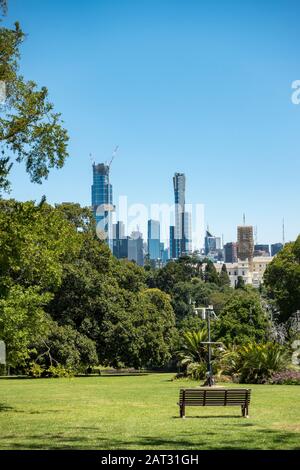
x=182 y=412
x=245 y=411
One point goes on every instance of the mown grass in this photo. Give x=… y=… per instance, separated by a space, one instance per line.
x=140 y=412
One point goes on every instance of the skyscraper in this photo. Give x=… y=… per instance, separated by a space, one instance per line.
x=210 y=243
x=120 y=242
x=245 y=243
x=179 y=195
x=261 y=250
x=275 y=248
x=135 y=248
x=102 y=202
x=118 y=230
x=187 y=233
x=172 y=248
x=230 y=252
x=153 y=239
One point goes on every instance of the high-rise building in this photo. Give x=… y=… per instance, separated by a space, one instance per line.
x=230 y=252
x=154 y=239
x=212 y=244
x=275 y=248
x=209 y=243
x=179 y=195
x=120 y=242
x=118 y=230
x=245 y=243
x=135 y=248
x=187 y=234
x=261 y=250
x=102 y=202
x=172 y=248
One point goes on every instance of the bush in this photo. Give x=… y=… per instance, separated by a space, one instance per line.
x=286 y=377
x=59 y=371
x=196 y=370
x=35 y=370
x=258 y=362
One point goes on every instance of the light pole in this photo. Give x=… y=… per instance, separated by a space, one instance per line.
x=207 y=313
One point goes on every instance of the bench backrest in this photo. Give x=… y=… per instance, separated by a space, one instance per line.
x=215 y=396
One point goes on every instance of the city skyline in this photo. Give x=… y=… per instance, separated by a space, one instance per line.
x=199 y=102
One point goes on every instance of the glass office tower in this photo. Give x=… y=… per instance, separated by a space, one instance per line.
x=102 y=202
x=179 y=195
x=154 y=239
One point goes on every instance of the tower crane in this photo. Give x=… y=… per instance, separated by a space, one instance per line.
x=113 y=156
x=110 y=205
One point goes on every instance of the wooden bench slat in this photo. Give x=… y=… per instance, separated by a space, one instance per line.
x=214 y=397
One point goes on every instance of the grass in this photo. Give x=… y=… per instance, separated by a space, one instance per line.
x=140 y=413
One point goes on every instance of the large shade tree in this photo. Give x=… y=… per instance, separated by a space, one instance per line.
x=282 y=280
x=31 y=131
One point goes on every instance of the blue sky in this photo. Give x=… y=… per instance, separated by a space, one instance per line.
x=200 y=87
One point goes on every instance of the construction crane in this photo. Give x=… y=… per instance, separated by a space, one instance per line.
x=109 y=165
x=110 y=205
x=113 y=156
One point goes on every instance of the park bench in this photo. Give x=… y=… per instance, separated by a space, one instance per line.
x=214 y=397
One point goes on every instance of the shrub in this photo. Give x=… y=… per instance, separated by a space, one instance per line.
x=35 y=370
x=286 y=377
x=59 y=371
x=196 y=370
x=258 y=362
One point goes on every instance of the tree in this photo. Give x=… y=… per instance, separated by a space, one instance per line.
x=210 y=274
x=193 y=349
x=282 y=280
x=30 y=129
x=240 y=284
x=34 y=241
x=137 y=330
x=65 y=346
x=242 y=319
x=81 y=217
x=224 y=279
x=22 y=322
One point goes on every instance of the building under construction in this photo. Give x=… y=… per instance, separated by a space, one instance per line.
x=245 y=243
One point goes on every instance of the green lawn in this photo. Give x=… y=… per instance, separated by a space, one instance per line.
x=140 y=412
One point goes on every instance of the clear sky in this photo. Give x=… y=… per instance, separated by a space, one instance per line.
x=200 y=87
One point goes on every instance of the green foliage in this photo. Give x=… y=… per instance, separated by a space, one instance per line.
x=196 y=370
x=30 y=129
x=258 y=362
x=34 y=241
x=242 y=319
x=35 y=370
x=191 y=323
x=282 y=280
x=66 y=347
x=210 y=273
x=128 y=275
x=192 y=349
x=22 y=322
x=240 y=284
x=59 y=371
x=224 y=279
x=137 y=330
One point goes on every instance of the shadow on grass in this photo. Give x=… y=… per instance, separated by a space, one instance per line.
x=16 y=377
x=209 y=416
x=272 y=440
x=4 y=407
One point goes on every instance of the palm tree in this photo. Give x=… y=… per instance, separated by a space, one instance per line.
x=193 y=350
